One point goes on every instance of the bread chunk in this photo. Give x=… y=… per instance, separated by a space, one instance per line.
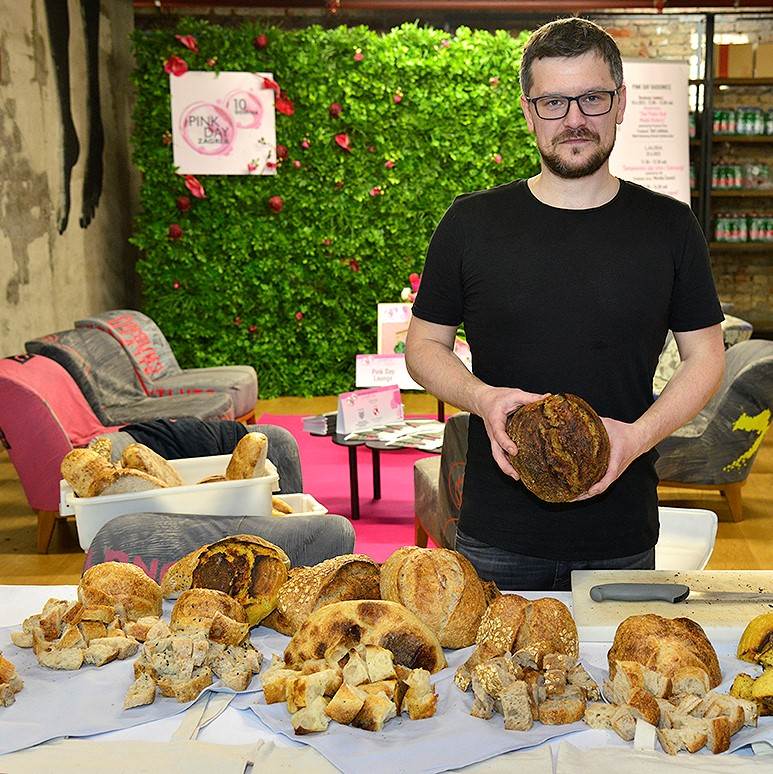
x=375 y=712
x=515 y=706
x=379 y=663
x=312 y=718
x=346 y=703
x=691 y=680
x=579 y=677
x=141 y=692
x=599 y=715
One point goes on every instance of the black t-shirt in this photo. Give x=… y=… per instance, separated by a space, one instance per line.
x=557 y=300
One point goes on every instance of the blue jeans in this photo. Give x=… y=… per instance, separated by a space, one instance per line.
x=517 y=572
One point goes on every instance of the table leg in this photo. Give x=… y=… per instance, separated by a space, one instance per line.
x=354 y=487
x=376 y=463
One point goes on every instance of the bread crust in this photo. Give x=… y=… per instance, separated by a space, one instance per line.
x=664 y=645
x=248 y=458
x=197 y=608
x=140 y=457
x=563 y=446
x=370 y=622
x=441 y=587
x=109 y=583
x=350 y=576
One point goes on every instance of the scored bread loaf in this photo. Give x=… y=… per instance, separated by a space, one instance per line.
x=118 y=583
x=246 y=567
x=249 y=457
x=137 y=456
x=369 y=622
x=563 y=446
x=665 y=645
x=441 y=587
x=351 y=576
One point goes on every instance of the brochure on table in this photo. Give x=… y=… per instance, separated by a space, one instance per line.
x=361 y=410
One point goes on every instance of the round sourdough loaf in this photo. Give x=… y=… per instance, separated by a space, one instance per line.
x=441 y=587
x=370 y=622
x=563 y=447
x=665 y=645
x=351 y=576
x=111 y=583
x=512 y=623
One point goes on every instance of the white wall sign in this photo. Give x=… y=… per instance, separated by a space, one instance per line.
x=223 y=123
x=653 y=146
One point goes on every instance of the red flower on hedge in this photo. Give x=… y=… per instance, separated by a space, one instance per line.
x=175 y=232
x=176 y=66
x=397 y=97
x=183 y=203
x=358 y=56
x=189 y=42
x=195 y=187
x=297 y=164
x=237 y=320
x=275 y=203
x=305 y=143
x=342 y=141
x=285 y=105
x=497 y=158
x=335 y=110
x=176 y=285
x=354 y=265
x=389 y=164
x=212 y=61
x=299 y=316
x=376 y=190
x=260 y=41
x=415 y=280
x=253 y=328
x=281 y=151
x=269 y=83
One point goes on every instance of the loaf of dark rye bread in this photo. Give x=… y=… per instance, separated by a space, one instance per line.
x=563 y=447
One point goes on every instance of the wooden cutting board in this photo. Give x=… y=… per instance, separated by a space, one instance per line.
x=722 y=621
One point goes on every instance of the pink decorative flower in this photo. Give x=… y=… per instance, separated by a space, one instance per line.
x=415 y=280
x=358 y=56
x=270 y=165
x=334 y=110
x=175 y=232
x=251 y=166
x=494 y=81
x=237 y=320
x=261 y=41
x=497 y=158
x=212 y=61
x=195 y=187
x=389 y=164
x=189 y=42
x=397 y=97
x=445 y=43
x=176 y=66
x=342 y=141
x=376 y=190
x=299 y=316
x=183 y=203
x=176 y=285
x=281 y=152
x=354 y=265
x=269 y=83
x=327 y=241
x=297 y=164
x=305 y=143
x=285 y=105
x=371 y=148
x=253 y=328
x=275 y=203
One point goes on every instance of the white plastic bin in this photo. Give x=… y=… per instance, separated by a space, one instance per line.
x=250 y=497
x=303 y=505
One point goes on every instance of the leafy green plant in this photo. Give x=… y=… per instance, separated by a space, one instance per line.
x=428 y=115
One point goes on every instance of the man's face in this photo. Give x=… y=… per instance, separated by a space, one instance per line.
x=577 y=145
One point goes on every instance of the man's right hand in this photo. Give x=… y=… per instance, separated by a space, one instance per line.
x=493 y=405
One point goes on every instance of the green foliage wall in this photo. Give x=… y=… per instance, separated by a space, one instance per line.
x=294 y=293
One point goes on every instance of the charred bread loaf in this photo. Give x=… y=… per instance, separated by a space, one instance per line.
x=441 y=587
x=119 y=583
x=665 y=645
x=369 y=622
x=563 y=447
x=351 y=576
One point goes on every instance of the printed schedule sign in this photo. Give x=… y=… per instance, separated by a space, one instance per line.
x=223 y=124
x=653 y=145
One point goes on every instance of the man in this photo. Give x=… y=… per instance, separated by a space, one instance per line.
x=566 y=282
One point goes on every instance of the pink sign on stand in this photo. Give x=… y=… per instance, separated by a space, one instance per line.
x=362 y=409
x=223 y=123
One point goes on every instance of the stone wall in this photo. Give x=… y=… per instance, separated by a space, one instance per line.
x=48 y=279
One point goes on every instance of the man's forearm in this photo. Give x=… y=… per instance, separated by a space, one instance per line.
x=436 y=368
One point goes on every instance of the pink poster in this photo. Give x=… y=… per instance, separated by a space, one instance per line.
x=223 y=123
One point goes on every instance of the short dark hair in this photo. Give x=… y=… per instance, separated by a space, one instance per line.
x=570 y=37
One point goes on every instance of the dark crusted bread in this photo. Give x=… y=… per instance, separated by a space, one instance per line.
x=563 y=447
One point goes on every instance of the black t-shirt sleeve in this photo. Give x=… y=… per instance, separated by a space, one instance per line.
x=694 y=302
x=440 y=297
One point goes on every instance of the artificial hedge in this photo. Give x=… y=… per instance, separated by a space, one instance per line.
x=428 y=115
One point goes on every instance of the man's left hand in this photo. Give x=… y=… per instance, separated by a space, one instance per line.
x=625 y=445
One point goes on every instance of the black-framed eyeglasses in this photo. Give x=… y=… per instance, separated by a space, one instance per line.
x=555 y=106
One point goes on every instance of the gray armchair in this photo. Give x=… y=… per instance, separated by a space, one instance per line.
x=717 y=449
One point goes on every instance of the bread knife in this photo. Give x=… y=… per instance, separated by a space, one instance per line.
x=671 y=592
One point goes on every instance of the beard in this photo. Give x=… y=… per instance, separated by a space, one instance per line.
x=565 y=168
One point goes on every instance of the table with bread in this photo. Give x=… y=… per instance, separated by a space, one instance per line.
x=417 y=657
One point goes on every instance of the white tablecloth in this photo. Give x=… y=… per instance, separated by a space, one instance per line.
x=234 y=727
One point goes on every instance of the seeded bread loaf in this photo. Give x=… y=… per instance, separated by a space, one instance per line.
x=563 y=447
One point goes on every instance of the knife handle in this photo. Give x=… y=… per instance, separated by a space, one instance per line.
x=640 y=592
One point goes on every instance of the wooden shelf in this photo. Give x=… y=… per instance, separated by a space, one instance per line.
x=734 y=81
x=742 y=247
